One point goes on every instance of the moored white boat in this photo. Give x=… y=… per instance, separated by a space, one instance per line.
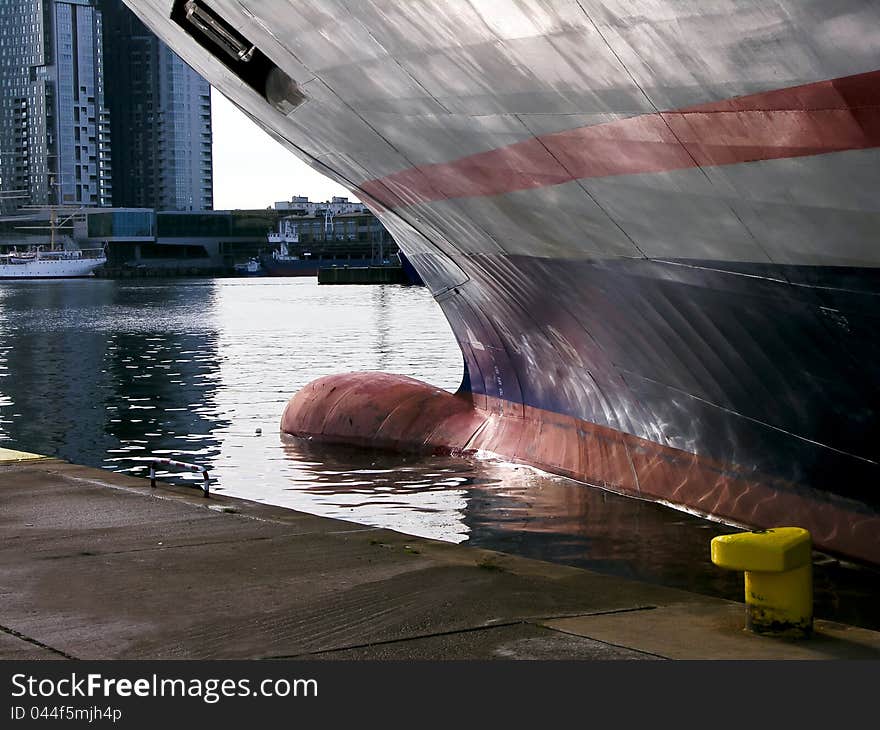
x=59 y=264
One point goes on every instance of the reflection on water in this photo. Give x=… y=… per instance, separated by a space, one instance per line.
x=106 y=373
x=516 y=509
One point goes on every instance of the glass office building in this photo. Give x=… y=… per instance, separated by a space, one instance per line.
x=54 y=124
x=161 y=119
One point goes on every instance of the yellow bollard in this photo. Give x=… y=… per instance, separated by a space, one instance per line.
x=778 y=575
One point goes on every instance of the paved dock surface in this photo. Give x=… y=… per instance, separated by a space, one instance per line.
x=96 y=565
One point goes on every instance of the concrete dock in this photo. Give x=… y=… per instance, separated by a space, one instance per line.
x=97 y=565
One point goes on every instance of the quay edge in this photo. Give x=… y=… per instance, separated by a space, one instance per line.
x=101 y=566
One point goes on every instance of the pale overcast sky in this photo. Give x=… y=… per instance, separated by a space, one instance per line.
x=251 y=170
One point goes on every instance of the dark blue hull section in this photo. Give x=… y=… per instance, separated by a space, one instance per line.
x=749 y=369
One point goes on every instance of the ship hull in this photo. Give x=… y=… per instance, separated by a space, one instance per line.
x=652 y=226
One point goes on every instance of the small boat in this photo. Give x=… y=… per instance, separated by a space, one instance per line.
x=251 y=267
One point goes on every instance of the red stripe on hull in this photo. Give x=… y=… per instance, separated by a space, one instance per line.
x=376 y=410
x=827 y=116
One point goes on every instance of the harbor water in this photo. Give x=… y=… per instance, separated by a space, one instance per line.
x=109 y=373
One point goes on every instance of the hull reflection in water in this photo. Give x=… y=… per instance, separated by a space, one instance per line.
x=520 y=510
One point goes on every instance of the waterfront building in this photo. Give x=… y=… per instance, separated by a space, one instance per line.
x=346 y=232
x=336 y=233
x=160 y=114
x=333 y=229
x=301 y=205
x=146 y=241
x=54 y=123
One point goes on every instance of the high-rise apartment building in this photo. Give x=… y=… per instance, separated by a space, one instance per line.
x=160 y=111
x=73 y=74
x=54 y=124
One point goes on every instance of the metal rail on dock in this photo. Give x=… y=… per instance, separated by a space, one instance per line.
x=206 y=479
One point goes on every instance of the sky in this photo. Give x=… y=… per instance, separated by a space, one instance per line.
x=252 y=170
